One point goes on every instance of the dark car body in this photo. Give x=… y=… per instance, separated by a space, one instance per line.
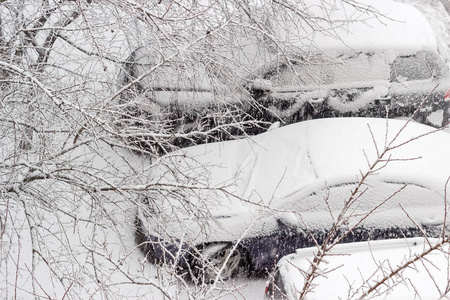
x=261 y=253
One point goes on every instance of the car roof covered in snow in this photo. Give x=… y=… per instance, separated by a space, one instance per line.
x=362 y=25
x=299 y=163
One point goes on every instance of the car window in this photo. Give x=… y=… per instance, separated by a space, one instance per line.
x=361 y=66
x=313 y=70
x=324 y=69
x=423 y=65
x=351 y=67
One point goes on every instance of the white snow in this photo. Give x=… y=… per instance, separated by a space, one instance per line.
x=385 y=25
x=436 y=118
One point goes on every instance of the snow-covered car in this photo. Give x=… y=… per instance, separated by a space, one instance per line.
x=385 y=59
x=367 y=68
x=245 y=203
x=409 y=268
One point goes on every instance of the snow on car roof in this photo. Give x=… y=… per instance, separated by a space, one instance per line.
x=352 y=264
x=283 y=166
x=373 y=26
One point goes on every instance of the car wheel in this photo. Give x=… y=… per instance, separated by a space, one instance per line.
x=224 y=259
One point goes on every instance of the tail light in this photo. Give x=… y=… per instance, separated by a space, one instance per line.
x=447 y=96
x=266 y=290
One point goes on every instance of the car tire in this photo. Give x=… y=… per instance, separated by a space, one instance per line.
x=231 y=262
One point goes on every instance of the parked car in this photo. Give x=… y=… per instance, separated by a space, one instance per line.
x=244 y=204
x=382 y=62
x=362 y=69
x=352 y=269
